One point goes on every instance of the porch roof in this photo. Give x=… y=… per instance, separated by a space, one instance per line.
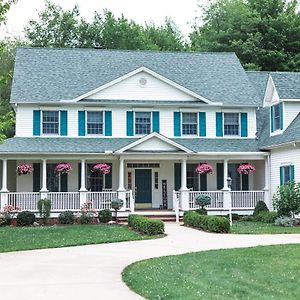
x=107 y=145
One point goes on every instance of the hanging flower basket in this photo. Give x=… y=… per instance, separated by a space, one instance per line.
x=24 y=169
x=103 y=168
x=246 y=169
x=63 y=168
x=204 y=169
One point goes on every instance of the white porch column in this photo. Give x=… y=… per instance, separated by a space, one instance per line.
x=44 y=191
x=121 y=189
x=184 y=192
x=227 y=205
x=267 y=195
x=225 y=183
x=82 y=190
x=4 y=191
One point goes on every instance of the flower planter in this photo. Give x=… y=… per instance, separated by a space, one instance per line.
x=246 y=169
x=63 y=168
x=204 y=169
x=24 y=169
x=103 y=168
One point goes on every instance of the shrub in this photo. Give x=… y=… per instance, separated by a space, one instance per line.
x=25 y=218
x=116 y=205
x=286 y=200
x=7 y=214
x=209 y=223
x=248 y=218
x=85 y=219
x=235 y=217
x=104 y=216
x=201 y=211
x=285 y=221
x=266 y=216
x=259 y=207
x=66 y=217
x=145 y=225
x=87 y=213
x=44 y=208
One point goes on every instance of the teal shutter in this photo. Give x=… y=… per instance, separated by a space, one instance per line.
x=177 y=124
x=281 y=115
x=36 y=179
x=155 y=121
x=203 y=182
x=36 y=122
x=108 y=123
x=245 y=182
x=63 y=123
x=129 y=120
x=292 y=173
x=219 y=124
x=202 y=123
x=108 y=179
x=220 y=176
x=177 y=176
x=81 y=123
x=244 y=124
x=63 y=182
x=272 y=118
x=281 y=175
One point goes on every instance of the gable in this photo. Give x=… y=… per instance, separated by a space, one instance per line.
x=141 y=86
x=271 y=95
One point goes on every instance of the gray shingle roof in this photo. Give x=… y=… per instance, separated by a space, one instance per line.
x=47 y=74
x=290 y=135
x=287 y=84
x=100 y=145
x=259 y=81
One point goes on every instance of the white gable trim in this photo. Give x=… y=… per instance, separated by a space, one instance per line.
x=154 y=74
x=270 y=82
x=151 y=135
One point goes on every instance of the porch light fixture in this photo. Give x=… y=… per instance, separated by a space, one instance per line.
x=229 y=182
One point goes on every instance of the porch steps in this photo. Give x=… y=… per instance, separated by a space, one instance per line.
x=160 y=214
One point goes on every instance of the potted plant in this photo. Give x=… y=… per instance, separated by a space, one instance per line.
x=202 y=200
x=103 y=168
x=116 y=205
x=246 y=169
x=63 y=168
x=204 y=169
x=24 y=169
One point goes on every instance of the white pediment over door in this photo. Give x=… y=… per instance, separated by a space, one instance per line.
x=155 y=144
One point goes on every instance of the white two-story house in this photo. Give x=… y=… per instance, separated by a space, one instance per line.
x=153 y=117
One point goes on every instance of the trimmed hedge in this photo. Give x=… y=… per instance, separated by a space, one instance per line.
x=105 y=216
x=266 y=216
x=25 y=218
x=208 y=223
x=260 y=207
x=66 y=217
x=145 y=225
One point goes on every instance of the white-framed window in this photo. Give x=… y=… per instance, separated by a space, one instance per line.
x=50 y=122
x=231 y=124
x=94 y=122
x=189 y=123
x=276 y=117
x=287 y=174
x=142 y=122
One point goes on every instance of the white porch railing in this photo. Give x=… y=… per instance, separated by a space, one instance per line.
x=216 y=198
x=246 y=199
x=64 y=200
x=101 y=200
x=24 y=201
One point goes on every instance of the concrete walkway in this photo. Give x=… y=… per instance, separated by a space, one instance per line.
x=94 y=272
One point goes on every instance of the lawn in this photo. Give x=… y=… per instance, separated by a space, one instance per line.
x=261 y=228
x=261 y=273
x=28 y=238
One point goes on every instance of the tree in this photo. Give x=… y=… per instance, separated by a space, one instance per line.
x=265 y=34
x=4 y=8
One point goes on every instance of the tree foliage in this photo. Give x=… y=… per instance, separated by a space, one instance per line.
x=4 y=8
x=265 y=34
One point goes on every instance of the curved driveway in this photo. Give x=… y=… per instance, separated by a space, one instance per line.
x=94 y=272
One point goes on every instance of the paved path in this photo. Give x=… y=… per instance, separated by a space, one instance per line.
x=93 y=272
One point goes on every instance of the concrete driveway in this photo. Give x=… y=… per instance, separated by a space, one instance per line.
x=94 y=272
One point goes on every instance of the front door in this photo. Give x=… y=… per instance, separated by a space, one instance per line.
x=143 y=188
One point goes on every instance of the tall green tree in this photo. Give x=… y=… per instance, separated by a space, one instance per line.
x=4 y=8
x=265 y=34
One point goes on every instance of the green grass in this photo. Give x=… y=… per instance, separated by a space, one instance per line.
x=28 y=238
x=261 y=228
x=260 y=273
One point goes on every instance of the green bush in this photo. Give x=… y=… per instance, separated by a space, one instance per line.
x=66 y=217
x=285 y=221
x=85 y=219
x=235 y=217
x=209 y=223
x=249 y=218
x=105 y=216
x=203 y=200
x=201 y=211
x=116 y=205
x=259 y=207
x=25 y=218
x=44 y=208
x=266 y=216
x=145 y=225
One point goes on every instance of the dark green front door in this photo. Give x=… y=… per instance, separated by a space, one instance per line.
x=143 y=188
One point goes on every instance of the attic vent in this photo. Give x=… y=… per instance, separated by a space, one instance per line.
x=142 y=82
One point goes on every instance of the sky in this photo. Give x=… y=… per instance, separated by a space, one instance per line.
x=183 y=12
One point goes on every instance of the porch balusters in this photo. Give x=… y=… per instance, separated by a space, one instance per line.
x=83 y=190
x=4 y=191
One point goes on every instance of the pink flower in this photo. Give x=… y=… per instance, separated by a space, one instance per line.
x=246 y=169
x=204 y=169
x=63 y=168
x=24 y=169
x=103 y=168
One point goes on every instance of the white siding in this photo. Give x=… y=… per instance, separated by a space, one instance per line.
x=290 y=110
x=154 y=143
x=24 y=120
x=280 y=157
x=130 y=89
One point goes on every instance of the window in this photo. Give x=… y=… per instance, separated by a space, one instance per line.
x=156 y=180
x=276 y=117
x=287 y=174
x=231 y=124
x=189 y=123
x=94 y=122
x=142 y=122
x=50 y=122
